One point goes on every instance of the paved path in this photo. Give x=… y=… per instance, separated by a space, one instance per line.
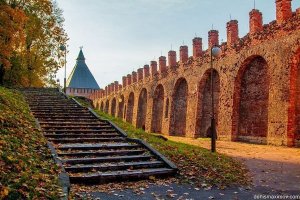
x=273 y=167
x=275 y=171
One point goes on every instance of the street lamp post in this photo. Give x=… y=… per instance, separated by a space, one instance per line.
x=63 y=48
x=215 y=52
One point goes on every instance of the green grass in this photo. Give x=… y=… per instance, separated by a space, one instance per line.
x=196 y=165
x=26 y=166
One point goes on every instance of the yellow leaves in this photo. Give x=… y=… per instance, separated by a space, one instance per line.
x=11 y=32
x=30 y=31
x=26 y=163
x=10 y=158
x=3 y=192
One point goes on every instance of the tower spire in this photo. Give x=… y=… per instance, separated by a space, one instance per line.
x=80 y=55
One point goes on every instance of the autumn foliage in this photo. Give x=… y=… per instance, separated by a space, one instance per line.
x=31 y=33
x=26 y=166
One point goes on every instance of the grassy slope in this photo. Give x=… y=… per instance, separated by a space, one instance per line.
x=196 y=164
x=26 y=166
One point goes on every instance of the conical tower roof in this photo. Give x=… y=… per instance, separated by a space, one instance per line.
x=81 y=76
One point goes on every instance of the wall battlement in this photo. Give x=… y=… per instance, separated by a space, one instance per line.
x=258 y=63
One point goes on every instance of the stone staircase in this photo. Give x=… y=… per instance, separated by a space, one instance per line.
x=92 y=150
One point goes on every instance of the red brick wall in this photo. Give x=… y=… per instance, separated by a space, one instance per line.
x=256 y=21
x=184 y=53
x=146 y=71
x=232 y=32
x=293 y=135
x=158 y=108
x=113 y=107
x=162 y=64
x=167 y=108
x=179 y=108
x=277 y=44
x=253 y=100
x=172 y=60
x=204 y=111
x=102 y=106
x=142 y=110
x=106 y=106
x=121 y=107
x=130 y=105
x=82 y=92
x=134 y=77
x=283 y=10
x=128 y=79
x=124 y=81
x=213 y=38
x=140 y=74
x=197 y=47
x=153 y=68
x=297 y=133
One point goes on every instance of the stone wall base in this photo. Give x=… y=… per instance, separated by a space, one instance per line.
x=252 y=139
x=297 y=143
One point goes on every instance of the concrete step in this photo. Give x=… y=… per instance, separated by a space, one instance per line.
x=92 y=150
x=57 y=109
x=68 y=118
x=115 y=166
x=65 y=123
x=63 y=113
x=106 y=159
x=87 y=140
x=80 y=131
x=101 y=153
x=65 y=116
x=81 y=135
x=94 y=127
x=98 y=146
x=93 y=178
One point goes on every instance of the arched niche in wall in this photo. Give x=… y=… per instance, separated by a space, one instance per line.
x=121 y=106
x=293 y=129
x=251 y=97
x=157 y=109
x=142 y=109
x=179 y=108
x=130 y=105
x=204 y=106
x=113 y=107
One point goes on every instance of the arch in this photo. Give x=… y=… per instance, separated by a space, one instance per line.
x=130 y=106
x=113 y=107
x=106 y=106
x=251 y=97
x=179 y=108
x=157 y=109
x=293 y=129
x=125 y=109
x=142 y=110
x=97 y=106
x=102 y=106
x=204 y=106
x=121 y=107
x=167 y=108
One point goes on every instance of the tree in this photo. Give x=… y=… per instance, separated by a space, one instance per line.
x=37 y=57
x=12 y=35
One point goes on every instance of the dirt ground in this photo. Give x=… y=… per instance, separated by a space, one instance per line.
x=274 y=168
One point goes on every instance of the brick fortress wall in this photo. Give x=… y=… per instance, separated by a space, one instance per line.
x=257 y=86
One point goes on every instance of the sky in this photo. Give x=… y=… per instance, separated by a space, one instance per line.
x=120 y=36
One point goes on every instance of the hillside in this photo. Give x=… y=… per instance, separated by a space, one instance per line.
x=26 y=167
